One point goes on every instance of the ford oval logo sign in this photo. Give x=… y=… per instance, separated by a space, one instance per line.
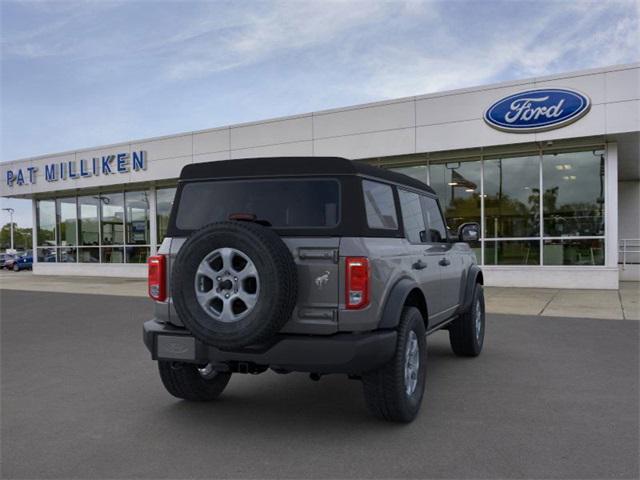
x=537 y=110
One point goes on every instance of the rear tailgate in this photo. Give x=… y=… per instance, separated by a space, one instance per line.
x=318 y=285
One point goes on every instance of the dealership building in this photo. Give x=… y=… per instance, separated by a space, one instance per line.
x=549 y=167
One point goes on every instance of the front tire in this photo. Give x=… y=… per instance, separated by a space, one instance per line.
x=395 y=391
x=466 y=333
x=187 y=381
x=16 y=268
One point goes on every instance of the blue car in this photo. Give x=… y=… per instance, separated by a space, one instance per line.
x=24 y=262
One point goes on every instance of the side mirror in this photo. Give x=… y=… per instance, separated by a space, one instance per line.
x=469 y=232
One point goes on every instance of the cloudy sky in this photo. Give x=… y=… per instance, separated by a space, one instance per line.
x=80 y=74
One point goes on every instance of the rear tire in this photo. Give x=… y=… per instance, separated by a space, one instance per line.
x=16 y=268
x=184 y=380
x=466 y=333
x=388 y=391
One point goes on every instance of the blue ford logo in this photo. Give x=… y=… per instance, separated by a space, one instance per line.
x=537 y=110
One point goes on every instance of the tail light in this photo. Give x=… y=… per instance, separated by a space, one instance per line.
x=157 y=278
x=357 y=282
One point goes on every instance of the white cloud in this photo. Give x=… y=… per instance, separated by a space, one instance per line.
x=534 y=47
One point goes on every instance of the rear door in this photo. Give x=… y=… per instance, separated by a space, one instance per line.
x=423 y=260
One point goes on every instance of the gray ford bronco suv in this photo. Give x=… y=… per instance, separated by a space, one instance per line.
x=319 y=265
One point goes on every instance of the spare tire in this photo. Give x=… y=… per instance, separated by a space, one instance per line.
x=234 y=284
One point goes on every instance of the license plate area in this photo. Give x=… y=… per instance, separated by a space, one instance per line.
x=176 y=347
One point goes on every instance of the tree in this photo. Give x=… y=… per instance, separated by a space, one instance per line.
x=21 y=237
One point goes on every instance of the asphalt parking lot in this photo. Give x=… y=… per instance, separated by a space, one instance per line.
x=548 y=398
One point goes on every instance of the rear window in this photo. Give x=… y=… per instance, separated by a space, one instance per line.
x=288 y=203
x=379 y=205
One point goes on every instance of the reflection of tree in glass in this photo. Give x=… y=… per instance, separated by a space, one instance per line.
x=461 y=210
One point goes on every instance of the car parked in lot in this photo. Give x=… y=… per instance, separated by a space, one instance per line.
x=8 y=260
x=318 y=265
x=3 y=258
x=23 y=262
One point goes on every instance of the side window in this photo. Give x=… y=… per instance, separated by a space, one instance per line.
x=433 y=219
x=379 y=204
x=412 y=217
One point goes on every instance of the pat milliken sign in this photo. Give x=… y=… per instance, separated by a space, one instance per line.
x=105 y=165
x=537 y=110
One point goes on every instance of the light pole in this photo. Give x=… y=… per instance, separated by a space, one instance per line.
x=11 y=211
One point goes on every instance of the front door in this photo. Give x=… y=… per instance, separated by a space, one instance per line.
x=439 y=246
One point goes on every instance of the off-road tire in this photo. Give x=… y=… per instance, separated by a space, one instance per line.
x=278 y=285
x=182 y=380
x=462 y=331
x=384 y=389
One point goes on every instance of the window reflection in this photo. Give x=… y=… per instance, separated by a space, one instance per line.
x=89 y=255
x=88 y=220
x=67 y=255
x=46 y=255
x=46 y=218
x=112 y=255
x=512 y=252
x=419 y=172
x=137 y=218
x=512 y=197
x=573 y=198
x=137 y=254
x=67 y=213
x=574 y=252
x=458 y=187
x=112 y=206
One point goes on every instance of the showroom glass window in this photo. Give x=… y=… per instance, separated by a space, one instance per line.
x=46 y=222
x=458 y=187
x=512 y=210
x=563 y=226
x=164 y=202
x=67 y=221
x=512 y=197
x=112 y=227
x=46 y=230
x=137 y=226
x=573 y=207
x=88 y=229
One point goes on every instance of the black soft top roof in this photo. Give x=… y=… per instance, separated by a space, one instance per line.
x=294 y=166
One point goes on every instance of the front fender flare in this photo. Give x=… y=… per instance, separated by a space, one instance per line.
x=473 y=276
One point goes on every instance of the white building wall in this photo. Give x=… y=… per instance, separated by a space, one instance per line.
x=629 y=228
x=428 y=123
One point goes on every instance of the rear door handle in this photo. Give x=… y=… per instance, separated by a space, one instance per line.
x=419 y=265
x=444 y=262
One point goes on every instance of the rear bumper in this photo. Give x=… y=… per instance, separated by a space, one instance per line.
x=339 y=353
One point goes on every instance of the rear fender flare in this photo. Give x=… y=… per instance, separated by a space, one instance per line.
x=395 y=303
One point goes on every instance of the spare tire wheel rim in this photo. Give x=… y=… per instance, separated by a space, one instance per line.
x=227 y=284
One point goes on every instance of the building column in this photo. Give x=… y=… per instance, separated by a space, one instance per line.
x=153 y=220
x=34 y=231
x=611 y=205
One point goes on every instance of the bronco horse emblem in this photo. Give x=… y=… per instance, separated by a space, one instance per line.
x=322 y=280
